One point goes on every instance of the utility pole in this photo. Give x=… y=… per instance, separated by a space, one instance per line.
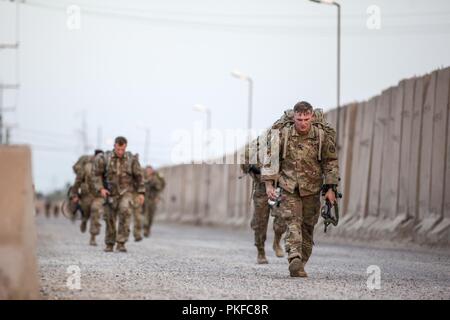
x=207 y=111
x=10 y=46
x=338 y=59
x=99 y=137
x=4 y=109
x=239 y=75
x=1 y=114
x=146 y=145
x=8 y=133
x=83 y=133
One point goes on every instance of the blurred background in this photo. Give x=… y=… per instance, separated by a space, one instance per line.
x=88 y=71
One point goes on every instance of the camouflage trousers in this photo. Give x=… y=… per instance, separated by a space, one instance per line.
x=93 y=210
x=120 y=211
x=301 y=215
x=137 y=217
x=260 y=219
x=149 y=213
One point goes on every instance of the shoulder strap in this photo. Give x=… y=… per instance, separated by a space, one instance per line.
x=286 y=131
x=321 y=136
x=108 y=155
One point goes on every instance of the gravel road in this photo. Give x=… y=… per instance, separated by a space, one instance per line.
x=189 y=262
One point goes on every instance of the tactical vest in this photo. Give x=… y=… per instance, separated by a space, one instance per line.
x=111 y=175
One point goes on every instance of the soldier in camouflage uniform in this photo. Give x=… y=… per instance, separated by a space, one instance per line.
x=261 y=213
x=154 y=185
x=48 y=206
x=303 y=162
x=83 y=191
x=138 y=210
x=118 y=177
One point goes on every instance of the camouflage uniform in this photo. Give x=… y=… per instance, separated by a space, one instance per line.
x=90 y=200
x=260 y=218
x=123 y=177
x=306 y=162
x=48 y=206
x=138 y=211
x=261 y=213
x=153 y=187
x=137 y=217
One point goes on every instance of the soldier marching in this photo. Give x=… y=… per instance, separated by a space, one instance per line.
x=298 y=163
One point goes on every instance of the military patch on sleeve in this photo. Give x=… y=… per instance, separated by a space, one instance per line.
x=332 y=148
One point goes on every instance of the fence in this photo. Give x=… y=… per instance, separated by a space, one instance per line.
x=394 y=155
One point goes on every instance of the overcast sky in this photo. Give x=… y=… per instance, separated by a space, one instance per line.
x=134 y=65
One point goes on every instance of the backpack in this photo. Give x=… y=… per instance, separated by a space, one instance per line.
x=284 y=124
x=287 y=121
x=161 y=180
x=78 y=167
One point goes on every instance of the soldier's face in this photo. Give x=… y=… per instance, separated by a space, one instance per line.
x=149 y=171
x=120 y=149
x=303 y=121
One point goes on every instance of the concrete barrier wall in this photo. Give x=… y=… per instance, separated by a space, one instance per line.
x=394 y=157
x=18 y=268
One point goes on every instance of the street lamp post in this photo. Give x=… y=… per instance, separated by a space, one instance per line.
x=338 y=84
x=146 y=145
x=140 y=125
x=201 y=108
x=239 y=75
x=207 y=111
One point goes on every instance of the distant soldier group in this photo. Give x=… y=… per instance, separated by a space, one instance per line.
x=113 y=186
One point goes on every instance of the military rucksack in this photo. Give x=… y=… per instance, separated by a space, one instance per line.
x=161 y=180
x=78 y=167
x=286 y=122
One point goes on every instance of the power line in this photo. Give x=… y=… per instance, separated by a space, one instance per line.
x=267 y=28
x=56 y=135
x=45 y=140
x=45 y=147
x=260 y=15
x=84 y=133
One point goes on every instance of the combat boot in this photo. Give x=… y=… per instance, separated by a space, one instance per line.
x=138 y=238
x=147 y=233
x=276 y=246
x=121 y=247
x=296 y=268
x=83 y=226
x=261 y=259
x=109 y=248
x=92 y=241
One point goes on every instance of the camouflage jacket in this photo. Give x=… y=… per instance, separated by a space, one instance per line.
x=84 y=181
x=296 y=161
x=154 y=185
x=119 y=175
x=251 y=157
